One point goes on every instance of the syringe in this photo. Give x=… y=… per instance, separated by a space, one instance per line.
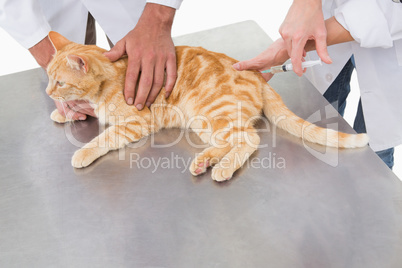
x=289 y=67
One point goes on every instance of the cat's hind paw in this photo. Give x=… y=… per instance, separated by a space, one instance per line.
x=57 y=117
x=222 y=173
x=84 y=157
x=209 y=157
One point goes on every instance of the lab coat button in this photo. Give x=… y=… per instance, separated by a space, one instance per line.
x=329 y=77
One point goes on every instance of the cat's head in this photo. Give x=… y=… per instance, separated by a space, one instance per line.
x=76 y=70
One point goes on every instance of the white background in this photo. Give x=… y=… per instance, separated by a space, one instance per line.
x=195 y=16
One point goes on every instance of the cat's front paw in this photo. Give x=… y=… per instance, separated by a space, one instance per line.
x=57 y=117
x=84 y=157
x=199 y=166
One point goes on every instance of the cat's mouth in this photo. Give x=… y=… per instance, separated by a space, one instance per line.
x=57 y=98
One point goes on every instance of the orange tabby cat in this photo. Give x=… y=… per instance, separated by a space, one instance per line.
x=210 y=97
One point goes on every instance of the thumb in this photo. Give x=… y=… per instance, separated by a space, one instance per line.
x=247 y=65
x=116 y=52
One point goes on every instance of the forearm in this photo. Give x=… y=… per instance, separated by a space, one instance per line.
x=170 y=3
x=43 y=52
x=336 y=34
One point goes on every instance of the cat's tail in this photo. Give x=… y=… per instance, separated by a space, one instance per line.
x=278 y=113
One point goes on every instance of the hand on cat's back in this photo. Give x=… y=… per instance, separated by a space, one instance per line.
x=151 y=53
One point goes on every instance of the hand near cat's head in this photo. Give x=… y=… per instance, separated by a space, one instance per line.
x=71 y=109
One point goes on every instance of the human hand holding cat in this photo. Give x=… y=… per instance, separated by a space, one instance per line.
x=150 y=52
x=75 y=110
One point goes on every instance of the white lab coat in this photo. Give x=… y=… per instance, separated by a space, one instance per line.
x=29 y=21
x=376 y=25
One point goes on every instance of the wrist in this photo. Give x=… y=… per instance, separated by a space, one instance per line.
x=305 y=7
x=43 y=52
x=280 y=52
x=336 y=34
x=308 y=2
x=155 y=14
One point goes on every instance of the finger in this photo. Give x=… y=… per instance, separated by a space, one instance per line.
x=303 y=60
x=288 y=45
x=322 y=51
x=132 y=74
x=252 y=64
x=82 y=107
x=61 y=107
x=297 y=55
x=65 y=110
x=159 y=76
x=287 y=38
x=171 y=75
x=74 y=110
x=117 y=51
x=87 y=111
x=73 y=115
x=145 y=85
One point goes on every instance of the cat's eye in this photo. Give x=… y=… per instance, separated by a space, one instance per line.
x=60 y=83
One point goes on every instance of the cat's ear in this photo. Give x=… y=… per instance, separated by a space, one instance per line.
x=58 y=40
x=77 y=62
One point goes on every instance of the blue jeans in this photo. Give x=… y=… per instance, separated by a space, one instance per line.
x=337 y=93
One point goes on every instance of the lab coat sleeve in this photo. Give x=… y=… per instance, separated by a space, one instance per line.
x=372 y=23
x=170 y=3
x=24 y=21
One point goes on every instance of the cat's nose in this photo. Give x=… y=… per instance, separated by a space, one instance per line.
x=49 y=90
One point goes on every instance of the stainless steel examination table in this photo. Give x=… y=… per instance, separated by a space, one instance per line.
x=292 y=205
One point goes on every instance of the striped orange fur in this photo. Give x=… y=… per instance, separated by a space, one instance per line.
x=219 y=103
